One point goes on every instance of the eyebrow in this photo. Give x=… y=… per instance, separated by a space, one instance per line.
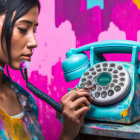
x=28 y=22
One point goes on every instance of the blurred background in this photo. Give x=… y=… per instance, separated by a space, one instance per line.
x=65 y=24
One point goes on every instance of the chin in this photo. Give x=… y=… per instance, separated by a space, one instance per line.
x=15 y=66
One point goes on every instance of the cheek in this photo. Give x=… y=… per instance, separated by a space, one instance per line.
x=14 y=39
x=17 y=44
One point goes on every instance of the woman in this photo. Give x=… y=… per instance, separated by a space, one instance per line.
x=18 y=110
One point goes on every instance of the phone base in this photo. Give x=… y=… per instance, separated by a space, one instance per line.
x=112 y=130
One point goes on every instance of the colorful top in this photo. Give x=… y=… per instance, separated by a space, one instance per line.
x=24 y=126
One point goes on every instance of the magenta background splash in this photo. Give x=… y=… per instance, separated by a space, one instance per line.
x=65 y=24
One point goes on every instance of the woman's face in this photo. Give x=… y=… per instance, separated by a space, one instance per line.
x=23 y=39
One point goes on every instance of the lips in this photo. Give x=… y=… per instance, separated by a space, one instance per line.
x=27 y=56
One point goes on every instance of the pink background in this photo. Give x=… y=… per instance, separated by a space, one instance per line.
x=65 y=24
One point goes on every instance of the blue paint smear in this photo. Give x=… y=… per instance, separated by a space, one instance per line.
x=92 y=3
x=2 y=135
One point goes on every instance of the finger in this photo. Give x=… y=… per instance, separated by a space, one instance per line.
x=74 y=94
x=90 y=98
x=82 y=100
x=86 y=90
x=82 y=110
x=87 y=87
x=83 y=89
x=78 y=94
x=66 y=95
x=69 y=93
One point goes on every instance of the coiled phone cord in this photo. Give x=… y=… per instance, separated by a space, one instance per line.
x=41 y=94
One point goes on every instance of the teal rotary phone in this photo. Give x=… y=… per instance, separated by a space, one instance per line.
x=115 y=85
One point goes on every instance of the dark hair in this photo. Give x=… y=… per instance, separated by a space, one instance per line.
x=8 y=7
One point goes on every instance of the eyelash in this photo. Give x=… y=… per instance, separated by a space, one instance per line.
x=23 y=31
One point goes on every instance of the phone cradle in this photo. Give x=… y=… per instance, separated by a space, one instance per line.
x=115 y=110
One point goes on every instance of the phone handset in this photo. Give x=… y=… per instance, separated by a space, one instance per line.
x=77 y=61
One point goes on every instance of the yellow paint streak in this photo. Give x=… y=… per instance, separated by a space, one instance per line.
x=124 y=113
x=137 y=2
x=14 y=127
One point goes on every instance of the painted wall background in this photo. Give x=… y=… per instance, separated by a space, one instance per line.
x=65 y=24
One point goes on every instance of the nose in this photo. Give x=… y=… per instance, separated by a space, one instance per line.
x=32 y=42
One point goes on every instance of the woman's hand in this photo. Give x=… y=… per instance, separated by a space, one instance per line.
x=75 y=104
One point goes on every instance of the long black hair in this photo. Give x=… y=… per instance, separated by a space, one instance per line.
x=8 y=7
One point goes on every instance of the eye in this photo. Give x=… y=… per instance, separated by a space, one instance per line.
x=22 y=30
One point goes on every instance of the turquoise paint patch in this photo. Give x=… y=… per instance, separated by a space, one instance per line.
x=92 y=3
x=2 y=135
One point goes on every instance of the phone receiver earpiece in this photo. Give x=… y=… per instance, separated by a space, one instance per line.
x=75 y=65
